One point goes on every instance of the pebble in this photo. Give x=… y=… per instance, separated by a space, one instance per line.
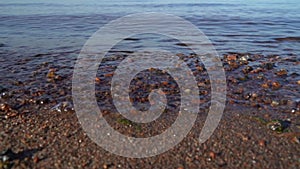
x=254 y=95
x=257 y=70
x=262 y=143
x=98 y=80
x=187 y=90
x=265 y=85
x=165 y=83
x=180 y=54
x=63 y=107
x=233 y=64
x=231 y=57
x=51 y=73
x=36 y=159
x=298 y=82
x=295 y=140
x=242 y=77
x=4 y=107
x=268 y=65
x=281 y=72
x=212 y=155
x=276 y=85
x=274 y=103
x=260 y=76
x=247 y=69
x=243 y=60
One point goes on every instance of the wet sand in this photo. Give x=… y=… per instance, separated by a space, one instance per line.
x=260 y=127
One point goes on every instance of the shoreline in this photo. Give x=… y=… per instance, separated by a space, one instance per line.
x=260 y=127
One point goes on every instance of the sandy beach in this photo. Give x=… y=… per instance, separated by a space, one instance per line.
x=259 y=127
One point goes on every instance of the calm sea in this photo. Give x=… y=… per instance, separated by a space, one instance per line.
x=33 y=27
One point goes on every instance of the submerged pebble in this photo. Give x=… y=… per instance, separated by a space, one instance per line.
x=265 y=85
x=276 y=85
x=243 y=60
x=247 y=69
x=231 y=57
x=51 y=73
x=281 y=72
x=268 y=65
x=63 y=107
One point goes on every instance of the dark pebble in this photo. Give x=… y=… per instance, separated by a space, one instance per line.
x=268 y=65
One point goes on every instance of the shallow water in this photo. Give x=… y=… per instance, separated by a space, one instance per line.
x=33 y=32
x=233 y=26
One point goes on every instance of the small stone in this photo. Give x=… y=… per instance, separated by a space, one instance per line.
x=57 y=77
x=247 y=69
x=262 y=143
x=268 y=65
x=165 y=83
x=245 y=138
x=242 y=77
x=254 y=95
x=257 y=70
x=51 y=73
x=231 y=57
x=4 y=107
x=295 y=140
x=265 y=85
x=152 y=69
x=187 y=90
x=238 y=90
x=199 y=68
x=244 y=59
x=109 y=75
x=274 y=103
x=276 y=85
x=180 y=54
x=260 y=76
x=281 y=72
x=247 y=96
x=63 y=107
x=233 y=64
x=98 y=80
x=212 y=155
x=298 y=82
x=36 y=159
